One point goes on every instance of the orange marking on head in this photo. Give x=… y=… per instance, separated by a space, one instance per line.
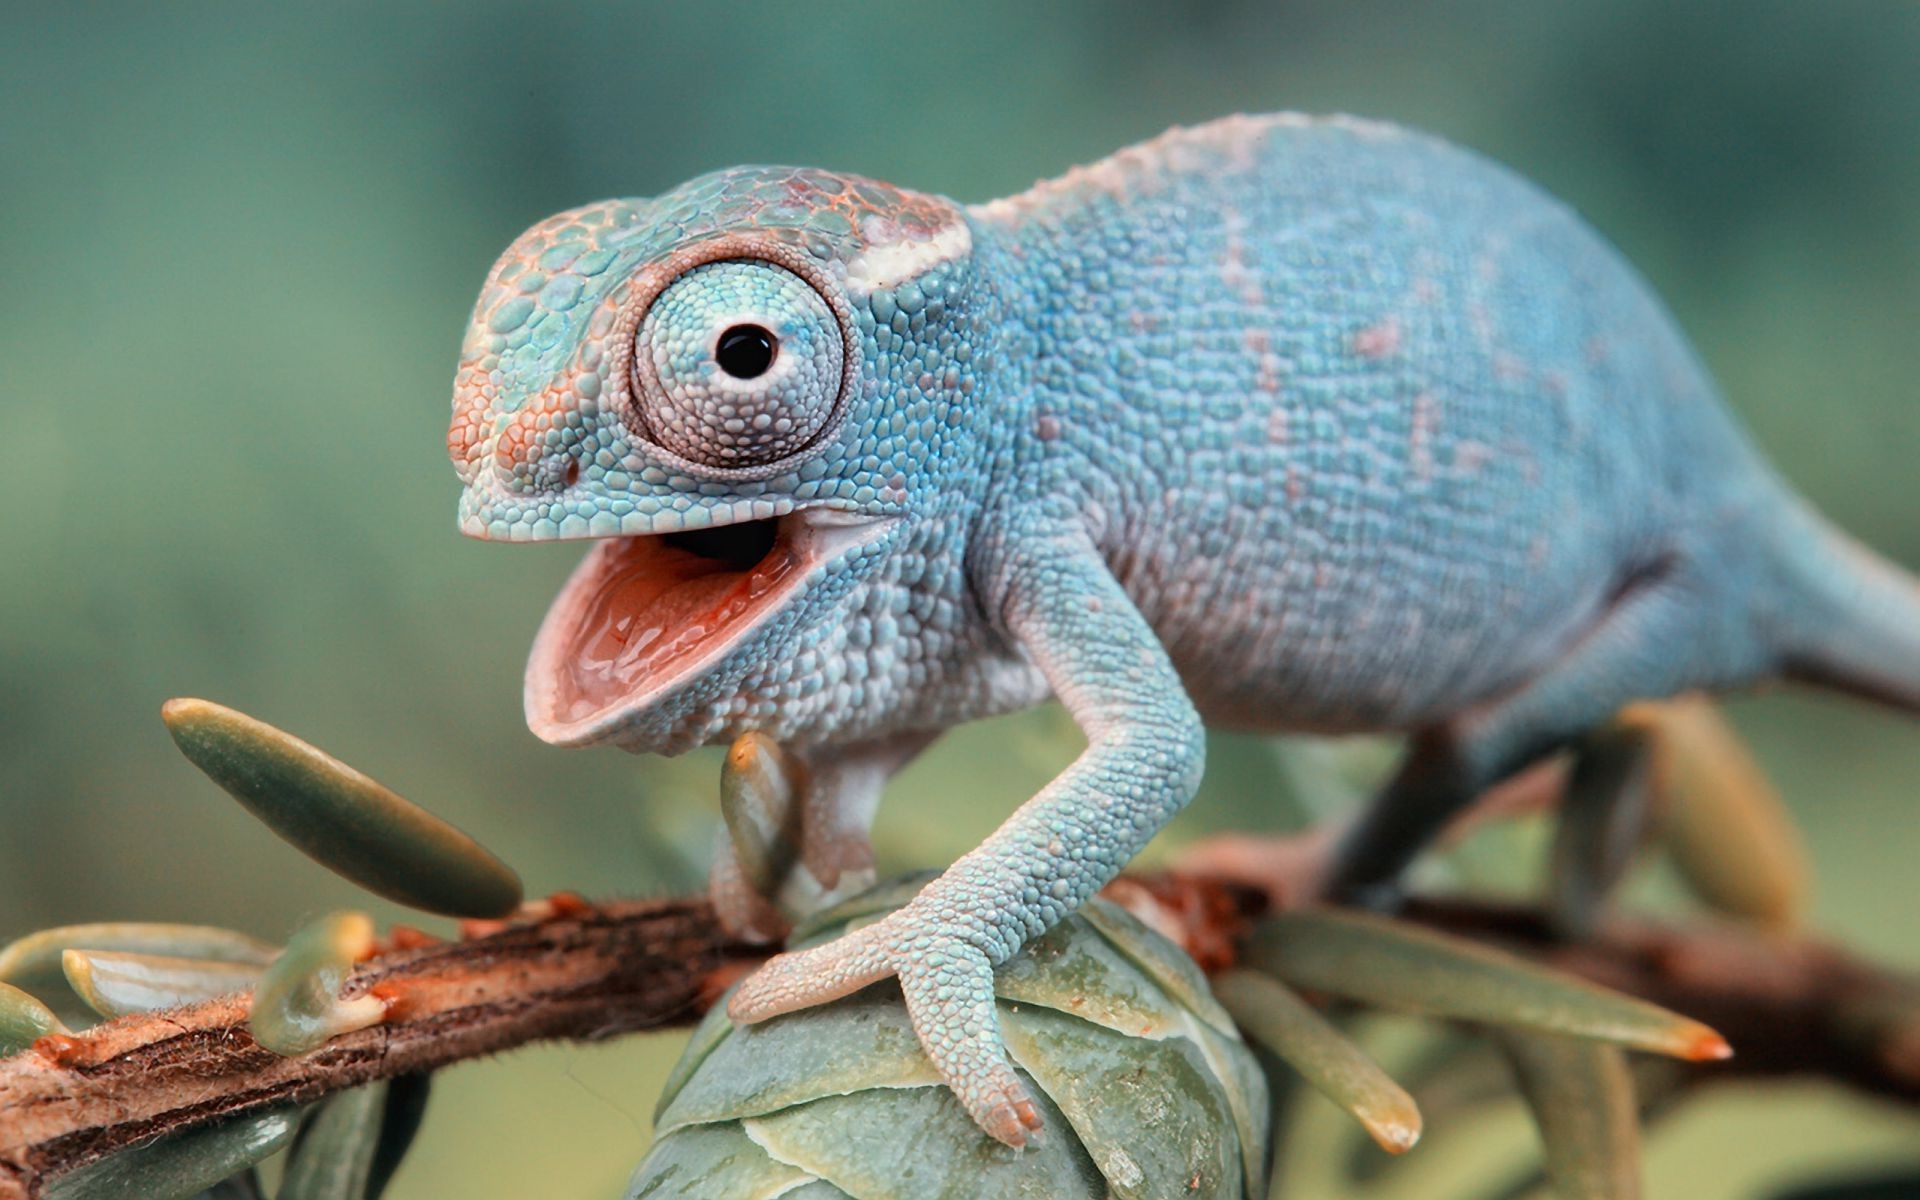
x=523 y=439
x=473 y=395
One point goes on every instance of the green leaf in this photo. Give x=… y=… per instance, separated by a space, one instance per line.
x=1151 y=1114
x=406 y=1109
x=1449 y=1078
x=1725 y=826
x=1581 y=1094
x=297 y=1006
x=1074 y=970
x=714 y=1028
x=865 y=1041
x=114 y=984
x=757 y=792
x=1164 y=962
x=23 y=1020
x=819 y=1189
x=350 y=1147
x=1603 y=820
x=919 y=1142
x=179 y=1166
x=33 y=962
x=333 y=1152
x=711 y=1160
x=244 y=1186
x=1325 y=1057
x=1233 y=1062
x=1396 y=965
x=341 y=818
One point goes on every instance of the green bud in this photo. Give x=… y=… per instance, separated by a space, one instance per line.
x=1144 y=1087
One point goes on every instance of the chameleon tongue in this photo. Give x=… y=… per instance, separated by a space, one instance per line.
x=649 y=604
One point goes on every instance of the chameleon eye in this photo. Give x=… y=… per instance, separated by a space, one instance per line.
x=745 y=351
x=737 y=363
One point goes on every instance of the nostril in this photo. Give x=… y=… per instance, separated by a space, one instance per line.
x=573 y=472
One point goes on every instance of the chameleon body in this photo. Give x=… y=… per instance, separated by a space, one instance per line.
x=1277 y=423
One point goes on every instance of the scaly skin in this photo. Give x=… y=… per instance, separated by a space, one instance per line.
x=1281 y=423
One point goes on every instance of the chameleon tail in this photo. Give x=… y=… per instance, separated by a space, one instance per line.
x=1854 y=626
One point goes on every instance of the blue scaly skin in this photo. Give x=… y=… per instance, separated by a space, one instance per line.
x=1276 y=423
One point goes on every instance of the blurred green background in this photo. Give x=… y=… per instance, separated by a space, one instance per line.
x=238 y=245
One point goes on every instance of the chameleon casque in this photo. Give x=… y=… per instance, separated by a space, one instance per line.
x=1278 y=422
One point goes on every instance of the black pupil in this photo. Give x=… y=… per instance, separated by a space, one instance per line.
x=745 y=351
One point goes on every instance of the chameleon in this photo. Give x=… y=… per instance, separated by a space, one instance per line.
x=1280 y=423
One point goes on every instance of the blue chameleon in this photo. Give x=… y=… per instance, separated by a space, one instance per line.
x=1277 y=423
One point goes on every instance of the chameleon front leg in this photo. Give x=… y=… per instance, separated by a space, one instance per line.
x=1145 y=750
x=811 y=810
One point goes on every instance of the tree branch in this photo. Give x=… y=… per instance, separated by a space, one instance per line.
x=589 y=972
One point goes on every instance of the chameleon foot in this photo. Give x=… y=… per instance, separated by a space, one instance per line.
x=948 y=986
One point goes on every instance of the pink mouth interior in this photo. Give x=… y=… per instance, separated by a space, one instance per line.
x=642 y=605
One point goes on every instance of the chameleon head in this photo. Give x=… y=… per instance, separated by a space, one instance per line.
x=740 y=388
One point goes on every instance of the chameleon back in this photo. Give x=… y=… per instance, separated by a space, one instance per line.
x=1373 y=428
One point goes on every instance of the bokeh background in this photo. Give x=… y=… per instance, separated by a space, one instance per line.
x=238 y=244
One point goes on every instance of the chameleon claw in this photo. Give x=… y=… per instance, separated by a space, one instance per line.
x=948 y=985
x=1010 y=1116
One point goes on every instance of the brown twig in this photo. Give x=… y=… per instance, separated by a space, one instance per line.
x=589 y=972
x=585 y=974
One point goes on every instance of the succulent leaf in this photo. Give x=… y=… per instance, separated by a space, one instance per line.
x=712 y=1160
x=1582 y=1098
x=1728 y=831
x=114 y=984
x=244 y=1186
x=919 y=1142
x=1451 y=1077
x=1309 y=1043
x=863 y=1042
x=757 y=793
x=819 y=1189
x=350 y=1146
x=297 y=1006
x=34 y=961
x=23 y=1020
x=1147 y=1111
x=181 y=1165
x=1165 y=963
x=1395 y=965
x=1088 y=977
x=340 y=818
x=1603 y=819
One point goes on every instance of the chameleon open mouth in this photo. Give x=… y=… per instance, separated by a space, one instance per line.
x=643 y=614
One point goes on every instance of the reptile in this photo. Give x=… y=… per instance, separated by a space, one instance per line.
x=1276 y=423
